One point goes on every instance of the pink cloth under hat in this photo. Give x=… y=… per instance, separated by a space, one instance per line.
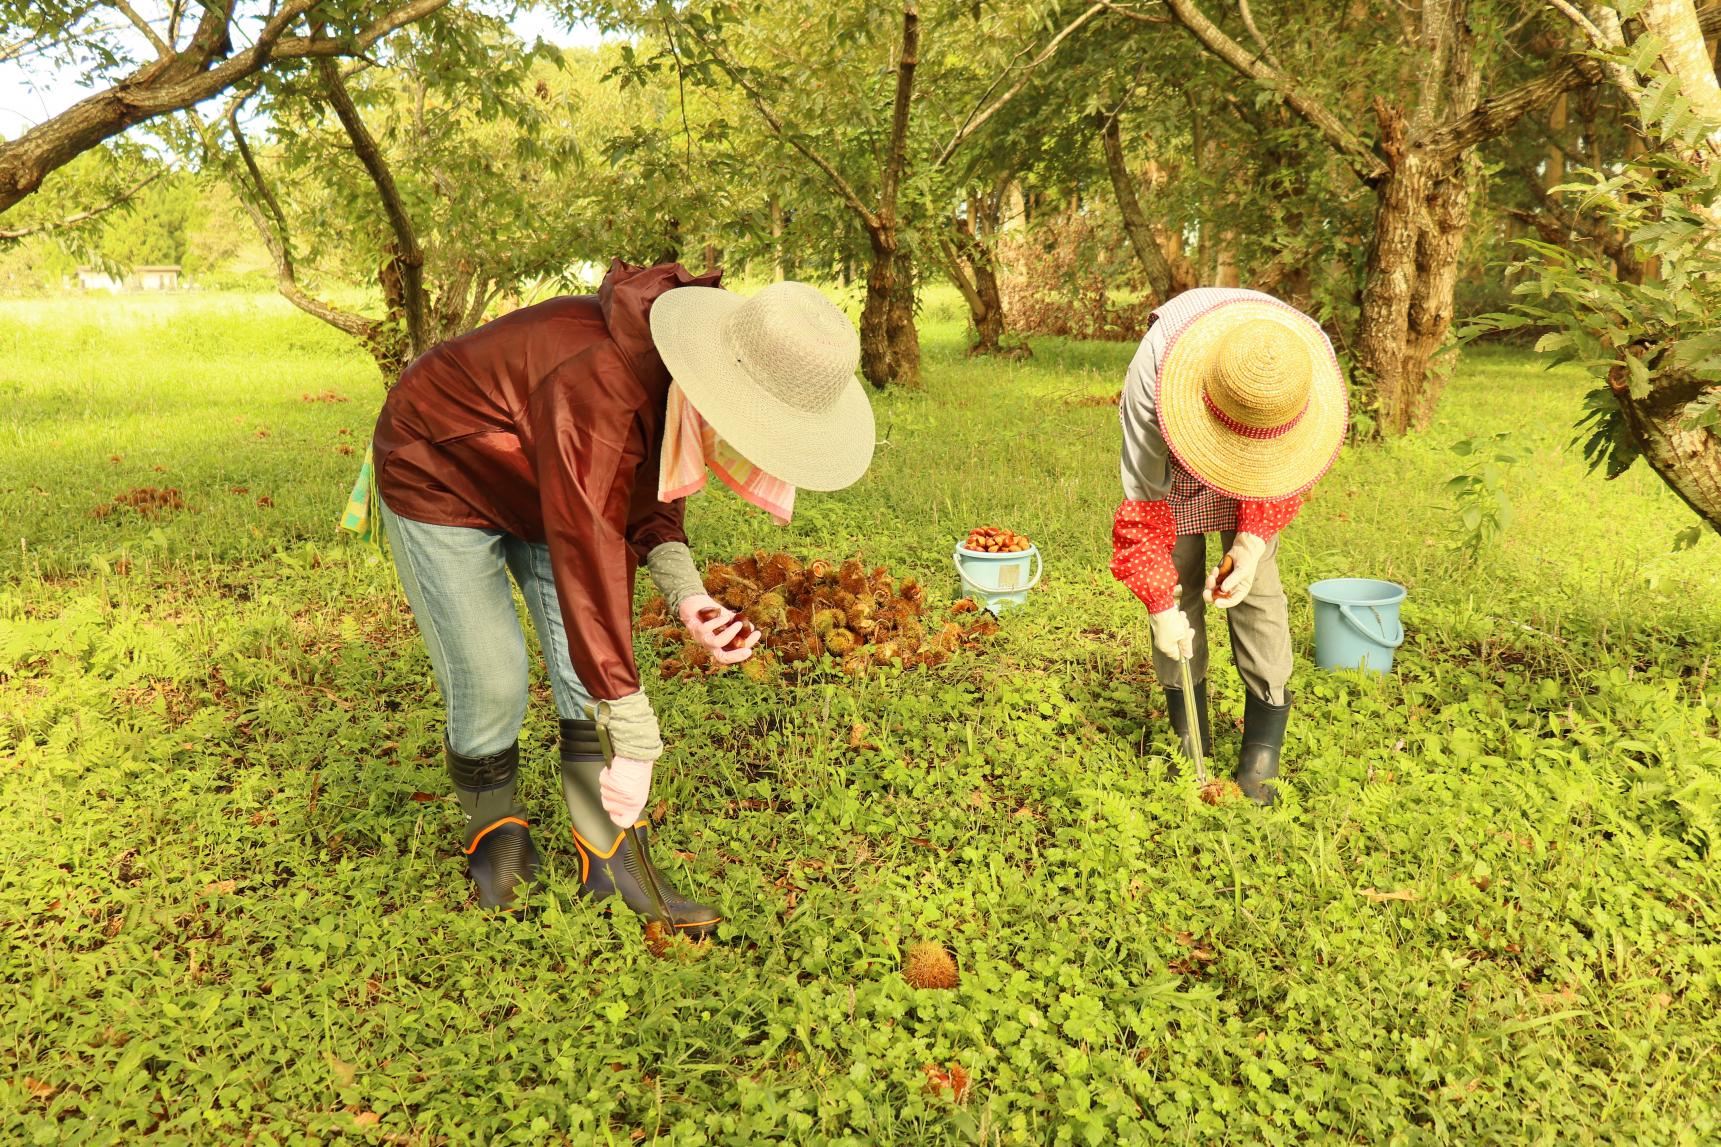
x=691 y=448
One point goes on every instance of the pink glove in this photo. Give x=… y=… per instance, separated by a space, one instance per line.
x=625 y=784
x=719 y=631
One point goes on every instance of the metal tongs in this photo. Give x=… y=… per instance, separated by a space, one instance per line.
x=658 y=902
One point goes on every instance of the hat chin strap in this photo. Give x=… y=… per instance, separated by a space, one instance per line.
x=1260 y=433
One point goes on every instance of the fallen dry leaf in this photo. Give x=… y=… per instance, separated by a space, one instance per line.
x=39 y=1089
x=1374 y=896
x=345 y=1072
x=366 y=1118
x=223 y=887
x=421 y=798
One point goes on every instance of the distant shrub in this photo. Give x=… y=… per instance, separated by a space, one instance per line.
x=1061 y=278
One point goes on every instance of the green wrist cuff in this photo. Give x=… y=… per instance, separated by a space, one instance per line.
x=673 y=572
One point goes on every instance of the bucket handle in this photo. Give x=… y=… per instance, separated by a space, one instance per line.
x=1379 y=638
x=1039 y=568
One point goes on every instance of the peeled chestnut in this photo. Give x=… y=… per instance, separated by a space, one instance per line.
x=1226 y=566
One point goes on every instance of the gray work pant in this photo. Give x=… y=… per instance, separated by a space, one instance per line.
x=1260 y=625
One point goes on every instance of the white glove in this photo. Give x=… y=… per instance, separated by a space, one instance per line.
x=719 y=630
x=1172 y=634
x=1246 y=552
x=625 y=785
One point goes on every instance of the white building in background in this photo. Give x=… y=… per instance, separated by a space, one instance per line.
x=160 y=278
x=96 y=279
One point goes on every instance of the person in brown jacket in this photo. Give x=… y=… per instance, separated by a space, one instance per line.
x=536 y=445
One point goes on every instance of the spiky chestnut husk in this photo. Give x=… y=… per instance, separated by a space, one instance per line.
x=748 y=568
x=654 y=613
x=927 y=964
x=767 y=613
x=777 y=570
x=819 y=569
x=856 y=664
x=756 y=670
x=1219 y=791
x=671 y=668
x=695 y=656
x=841 y=641
x=825 y=621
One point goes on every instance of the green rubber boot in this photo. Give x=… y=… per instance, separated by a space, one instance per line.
x=1263 y=738
x=1176 y=712
x=500 y=854
x=609 y=866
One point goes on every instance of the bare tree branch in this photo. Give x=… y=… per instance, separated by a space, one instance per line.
x=1255 y=34
x=82 y=216
x=162 y=50
x=977 y=118
x=278 y=239
x=180 y=80
x=794 y=139
x=903 y=103
x=407 y=252
x=1350 y=146
x=1138 y=16
x=1494 y=116
x=1141 y=238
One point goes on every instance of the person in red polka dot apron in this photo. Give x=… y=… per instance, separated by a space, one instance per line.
x=1232 y=409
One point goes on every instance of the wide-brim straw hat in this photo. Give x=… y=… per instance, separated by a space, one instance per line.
x=1251 y=400
x=774 y=375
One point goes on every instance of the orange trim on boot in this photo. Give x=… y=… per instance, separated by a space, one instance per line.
x=490 y=828
x=621 y=834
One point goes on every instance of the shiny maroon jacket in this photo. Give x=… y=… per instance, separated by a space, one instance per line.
x=548 y=423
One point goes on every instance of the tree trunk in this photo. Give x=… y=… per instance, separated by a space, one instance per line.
x=887 y=354
x=1387 y=287
x=904 y=336
x=1141 y=237
x=1689 y=461
x=779 y=266
x=1439 y=251
x=975 y=274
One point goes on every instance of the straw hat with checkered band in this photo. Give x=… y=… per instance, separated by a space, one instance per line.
x=1251 y=399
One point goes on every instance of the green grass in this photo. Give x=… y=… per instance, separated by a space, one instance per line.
x=231 y=914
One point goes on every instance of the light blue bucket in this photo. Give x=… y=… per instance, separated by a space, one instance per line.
x=996 y=581
x=1356 y=623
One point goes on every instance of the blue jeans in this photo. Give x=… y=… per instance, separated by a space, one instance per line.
x=456 y=580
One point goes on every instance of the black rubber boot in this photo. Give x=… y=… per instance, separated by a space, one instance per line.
x=1179 y=717
x=1263 y=738
x=498 y=844
x=608 y=864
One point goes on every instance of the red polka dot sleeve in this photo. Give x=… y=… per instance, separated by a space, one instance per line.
x=1142 y=537
x=1264 y=519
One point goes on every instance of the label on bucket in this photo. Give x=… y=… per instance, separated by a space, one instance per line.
x=1009 y=577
